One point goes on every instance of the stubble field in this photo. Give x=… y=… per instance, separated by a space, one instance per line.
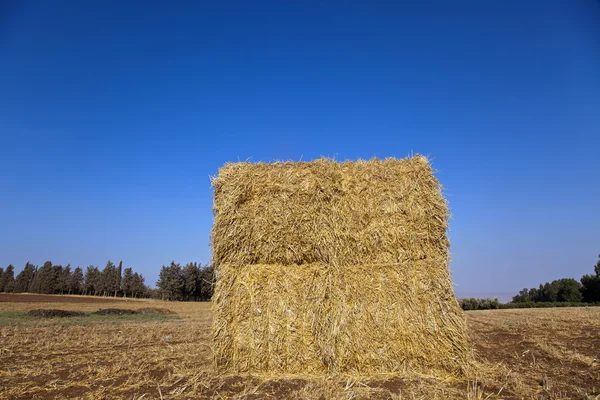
x=531 y=354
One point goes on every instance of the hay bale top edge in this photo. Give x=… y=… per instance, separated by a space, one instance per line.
x=415 y=162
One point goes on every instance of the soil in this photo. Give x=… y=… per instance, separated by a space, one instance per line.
x=55 y=313
x=115 y=311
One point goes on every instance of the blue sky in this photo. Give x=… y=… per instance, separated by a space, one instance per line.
x=114 y=114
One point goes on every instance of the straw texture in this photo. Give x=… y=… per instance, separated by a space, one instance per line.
x=333 y=267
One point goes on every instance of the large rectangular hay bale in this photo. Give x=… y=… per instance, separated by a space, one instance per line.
x=334 y=267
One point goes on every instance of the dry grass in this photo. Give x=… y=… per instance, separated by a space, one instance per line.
x=334 y=268
x=531 y=354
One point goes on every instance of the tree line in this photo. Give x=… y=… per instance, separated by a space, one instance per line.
x=566 y=290
x=57 y=279
x=479 y=304
x=193 y=282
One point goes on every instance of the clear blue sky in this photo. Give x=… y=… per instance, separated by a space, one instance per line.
x=114 y=114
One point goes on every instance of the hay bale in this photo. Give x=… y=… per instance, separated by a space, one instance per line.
x=266 y=318
x=366 y=212
x=400 y=317
x=337 y=267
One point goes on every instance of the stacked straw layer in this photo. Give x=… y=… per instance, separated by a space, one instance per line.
x=371 y=212
x=327 y=267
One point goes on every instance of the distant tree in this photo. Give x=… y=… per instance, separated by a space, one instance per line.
x=192 y=281
x=127 y=281
x=548 y=293
x=7 y=280
x=591 y=285
x=25 y=278
x=75 y=284
x=153 y=293
x=1 y=275
x=64 y=279
x=57 y=273
x=569 y=290
x=207 y=281
x=590 y=288
x=522 y=297
x=118 y=282
x=479 y=304
x=560 y=290
x=110 y=279
x=93 y=280
x=533 y=294
x=138 y=288
x=44 y=280
x=171 y=282
x=35 y=285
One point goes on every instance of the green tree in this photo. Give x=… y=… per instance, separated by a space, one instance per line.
x=64 y=279
x=534 y=294
x=138 y=288
x=192 y=279
x=7 y=280
x=560 y=290
x=549 y=293
x=171 y=282
x=1 y=275
x=590 y=288
x=44 y=279
x=119 y=274
x=57 y=284
x=93 y=280
x=522 y=297
x=569 y=290
x=76 y=281
x=127 y=282
x=25 y=278
x=591 y=285
x=207 y=282
x=110 y=279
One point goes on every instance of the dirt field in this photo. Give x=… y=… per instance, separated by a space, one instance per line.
x=532 y=354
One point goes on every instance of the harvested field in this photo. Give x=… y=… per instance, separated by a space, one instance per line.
x=531 y=354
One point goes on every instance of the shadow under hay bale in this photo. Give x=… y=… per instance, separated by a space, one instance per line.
x=52 y=313
x=334 y=267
